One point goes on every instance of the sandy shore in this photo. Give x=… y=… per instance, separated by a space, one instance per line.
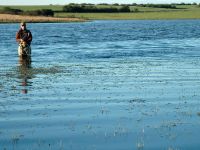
x=17 y=18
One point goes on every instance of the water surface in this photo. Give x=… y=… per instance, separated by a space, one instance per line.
x=102 y=85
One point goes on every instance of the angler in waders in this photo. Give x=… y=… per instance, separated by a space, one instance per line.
x=24 y=38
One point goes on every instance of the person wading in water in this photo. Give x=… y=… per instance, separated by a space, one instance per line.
x=24 y=38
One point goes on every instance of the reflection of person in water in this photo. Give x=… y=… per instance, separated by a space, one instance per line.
x=25 y=72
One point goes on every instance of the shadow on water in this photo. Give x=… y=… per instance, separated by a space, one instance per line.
x=24 y=73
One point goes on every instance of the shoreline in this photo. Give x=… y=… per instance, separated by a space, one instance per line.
x=9 y=18
x=182 y=12
x=135 y=16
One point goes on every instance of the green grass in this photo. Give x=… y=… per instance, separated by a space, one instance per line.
x=60 y=7
x=184 y=12
x=130 y=16
x=36 y=7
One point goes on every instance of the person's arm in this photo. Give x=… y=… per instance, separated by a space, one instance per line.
x=30 y=37
x=18 y=37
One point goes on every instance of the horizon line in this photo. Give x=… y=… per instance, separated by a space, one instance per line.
x=182 y=3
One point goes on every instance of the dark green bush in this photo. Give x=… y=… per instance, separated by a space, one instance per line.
x=159 y=5
x=43 y=12
x=124 y=9
x=93 y=9
x=8 y=10
x=47 y=12
x=135 y=10
x=115 y=4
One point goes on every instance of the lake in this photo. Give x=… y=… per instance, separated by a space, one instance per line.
x=102 y=85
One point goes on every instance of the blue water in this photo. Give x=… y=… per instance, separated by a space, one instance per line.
x=102 y=85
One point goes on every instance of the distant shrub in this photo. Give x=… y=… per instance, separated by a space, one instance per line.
x=8 y=10
x=72 y=4
x=32 y=13
x=184 y=4
x=103 y=4
x=93 y=9
x=47 y=12
x=87 y=4
x=133 y=4
x=115 y=4
x=135 y=10
x=43 y=12
x=125 y=5
x=72 y=8
x=124 y=9
x=159 y=5
x=106 y=10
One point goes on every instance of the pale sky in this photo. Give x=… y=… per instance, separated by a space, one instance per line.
x=46 y=2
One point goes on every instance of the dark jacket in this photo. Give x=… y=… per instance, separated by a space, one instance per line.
x=25 y=35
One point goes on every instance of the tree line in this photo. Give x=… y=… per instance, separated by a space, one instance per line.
x=42 y=12
x=75 y=8
x=91 y=8
x=134 y=4
x=172 y=6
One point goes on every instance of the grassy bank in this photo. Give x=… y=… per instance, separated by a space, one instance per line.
x=139 y=15
x=6 y=18
x=181 y=12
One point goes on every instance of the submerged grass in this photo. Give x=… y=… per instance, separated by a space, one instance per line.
x=31 y=72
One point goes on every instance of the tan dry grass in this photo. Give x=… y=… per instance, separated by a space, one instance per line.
x=18 y=18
